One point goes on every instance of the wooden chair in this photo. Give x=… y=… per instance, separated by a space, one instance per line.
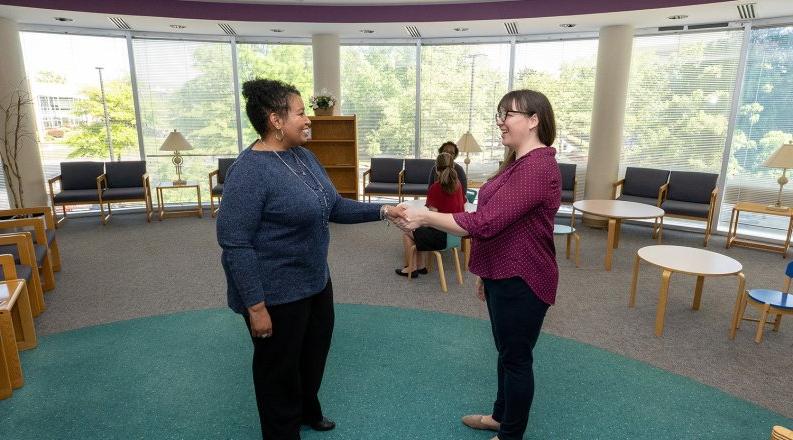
x=385 y=176
x=79 y=185
x=642 y=185
x=769 y=302
x=216 y=190
x=49 y=223
x=781 y=433
x=16 y=326
x=691 y=195
x=124 y=182
x=40 y=247
x=21 y=245
x=453 y=244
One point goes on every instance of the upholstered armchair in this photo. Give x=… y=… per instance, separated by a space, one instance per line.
x=416 y=175
x=691 y=195
x=641 y=185
x=79 y=185
x=567 y=171
x=385 y=176
x=18 y=260
x=36 y=230
x=124 y=182
x=44 y=212
x=216 y=189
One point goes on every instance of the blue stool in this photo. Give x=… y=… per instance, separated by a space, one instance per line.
x=453 y=243
x=569 y=231
x=470 y=195
x=769 y=301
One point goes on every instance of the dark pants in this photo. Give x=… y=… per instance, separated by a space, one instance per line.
x=516 y=316
x=288 y=366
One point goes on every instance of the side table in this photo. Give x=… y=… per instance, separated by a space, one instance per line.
x=163 y=213
x=758 y=208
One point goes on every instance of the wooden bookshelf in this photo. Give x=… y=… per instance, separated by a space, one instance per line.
x=334 y=142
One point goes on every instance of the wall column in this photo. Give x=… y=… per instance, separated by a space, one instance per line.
x=14 y=83
x=327 y=66
x=608 y=112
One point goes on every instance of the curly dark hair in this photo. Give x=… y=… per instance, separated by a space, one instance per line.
x=449 y=147
x=265 y=96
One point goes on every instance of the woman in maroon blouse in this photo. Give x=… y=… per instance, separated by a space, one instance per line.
x=513 y=251
x=445 y=195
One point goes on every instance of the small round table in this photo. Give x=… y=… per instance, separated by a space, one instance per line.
x=616 y=211
x=687 y=260
x=570 y=232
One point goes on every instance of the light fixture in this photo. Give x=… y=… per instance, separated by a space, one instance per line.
x=461 y=29
x=567 y=25
x=677 y=17
x=178 y=26
x=63 y=19
x=276 y=30
x=781 y=158
x=366 y=31
x=176 y=142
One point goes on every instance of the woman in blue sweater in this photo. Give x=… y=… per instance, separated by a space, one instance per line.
x=273 y=229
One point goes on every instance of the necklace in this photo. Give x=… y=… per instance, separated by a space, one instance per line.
x=323 y=200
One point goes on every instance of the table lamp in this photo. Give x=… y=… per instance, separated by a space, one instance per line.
x=781 y=158
x=467 y=144
x=176 y=142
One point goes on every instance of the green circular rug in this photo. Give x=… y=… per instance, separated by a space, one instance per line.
x=392 y=374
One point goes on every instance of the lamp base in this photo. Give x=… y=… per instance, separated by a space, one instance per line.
x=775 y=207
x=179 y=182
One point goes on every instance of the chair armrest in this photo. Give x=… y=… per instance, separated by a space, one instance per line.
x=37 y=223
x=575 y=186
x=614 y=187
x=44 y=211
x=367 y=173
x=662 y=192
x=713 y=195
x=50 y=183
x=24 y=244
x=215 y=173
x=9 y=267
x=401 y=180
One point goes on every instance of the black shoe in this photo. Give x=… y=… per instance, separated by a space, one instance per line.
x=415 y=273
x=423 y=271
x=323 y=424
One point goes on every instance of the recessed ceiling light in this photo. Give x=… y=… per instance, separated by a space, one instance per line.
x=276 y=30
x=677 y=17
x=178 y=26
x=460 y=29
x=366 y=31
x=567 y=25
x=63 y=19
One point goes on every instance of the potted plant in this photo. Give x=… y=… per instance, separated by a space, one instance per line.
x=323 y=103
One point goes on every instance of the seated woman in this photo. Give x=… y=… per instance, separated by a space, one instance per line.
x=451 y=148
x=445 y=195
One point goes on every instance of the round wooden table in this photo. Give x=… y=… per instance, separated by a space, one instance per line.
x=687 y=260
x=616 y=211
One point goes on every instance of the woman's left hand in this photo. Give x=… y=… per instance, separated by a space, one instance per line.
x=414 y=217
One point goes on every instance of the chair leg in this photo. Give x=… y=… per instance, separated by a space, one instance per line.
x=211 y=205
x=49 y=276
x=758 y=337
x=55 y=253
x=577 y=249
x=457 y=266
x=441 y=273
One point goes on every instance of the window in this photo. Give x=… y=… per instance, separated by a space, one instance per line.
x=378 y=85
x=187 y=86
x=763 y=123
x=565 y=72
x=291 y=63
x=679 y=98
x=447 y=108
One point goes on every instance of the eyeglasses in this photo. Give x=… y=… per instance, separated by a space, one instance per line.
x=502 y=115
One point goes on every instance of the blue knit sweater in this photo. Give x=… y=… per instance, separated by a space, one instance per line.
x=273 y=226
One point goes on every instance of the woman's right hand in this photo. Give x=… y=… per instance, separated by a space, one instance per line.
x=261 y=324
x=480 y=289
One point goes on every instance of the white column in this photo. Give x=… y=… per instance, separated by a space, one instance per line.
x=608 y=110
x=14 y=82
x=327 y=66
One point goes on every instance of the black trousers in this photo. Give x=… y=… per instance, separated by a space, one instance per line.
x=516 y=316
x=288 y=366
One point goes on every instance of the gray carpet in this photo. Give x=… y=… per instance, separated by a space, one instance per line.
x=129 y=269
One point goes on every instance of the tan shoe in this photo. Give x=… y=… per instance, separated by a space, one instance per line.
x=476 y=421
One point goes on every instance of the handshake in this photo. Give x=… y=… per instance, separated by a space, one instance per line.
x=405 y=216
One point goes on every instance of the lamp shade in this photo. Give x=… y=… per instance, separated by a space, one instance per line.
x=467 y=144
x=175 y=142
x=781 y=158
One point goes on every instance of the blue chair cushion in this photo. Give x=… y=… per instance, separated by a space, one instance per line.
x=417 y=170
x=773 y=297
x=686 y=186
x=686 y=208
x=382 y=188
x=39 y=249
x=125 y=174
x=80 y=175
x=24 y=272
x=415 y=189
x=568 y=196
x=77 y=195
x=50 y=236
x=138 y=193
x=453 y=241
x=386 y=170
x=644 y=182
x=223 y=168
x=646 y=200
x=789 y=270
